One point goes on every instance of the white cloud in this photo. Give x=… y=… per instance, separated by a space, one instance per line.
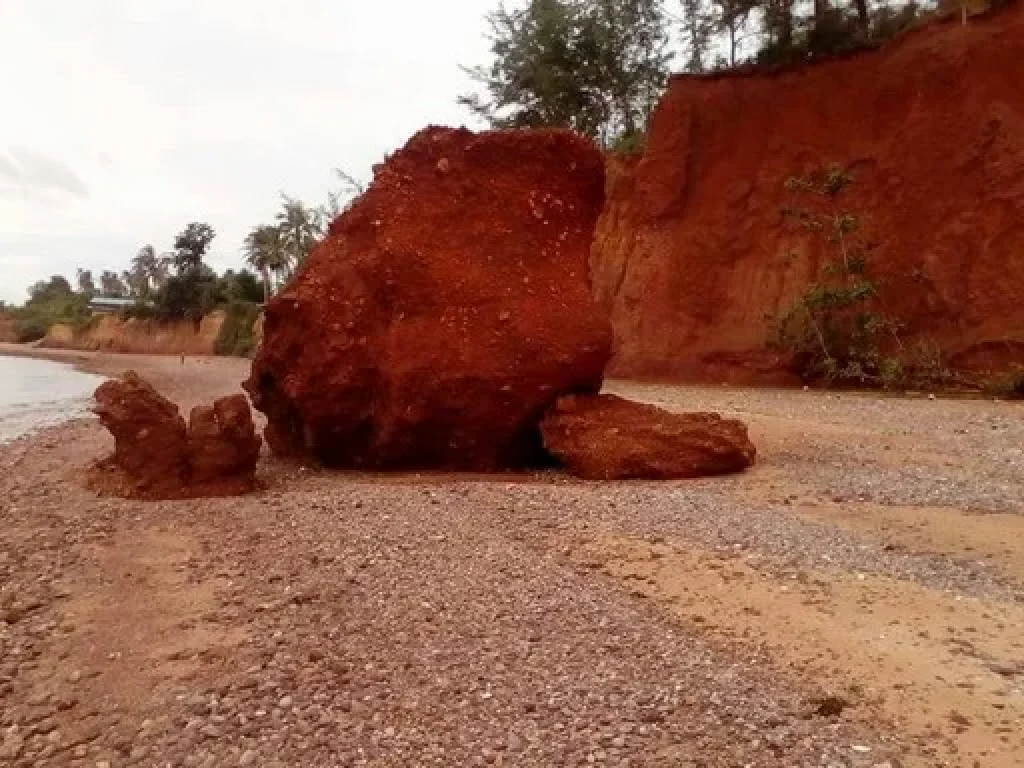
x=27 y=173
x=135 y=118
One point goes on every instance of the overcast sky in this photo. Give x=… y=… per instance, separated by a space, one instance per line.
x=123 y=120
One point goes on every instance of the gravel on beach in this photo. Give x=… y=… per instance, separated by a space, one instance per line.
x=337 y=619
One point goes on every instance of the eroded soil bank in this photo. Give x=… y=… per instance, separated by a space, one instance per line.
x=872 y=562
x=705 y=240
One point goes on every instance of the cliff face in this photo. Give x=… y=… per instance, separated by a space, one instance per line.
x=694 y=256
x=8 y=329
x=110 y=333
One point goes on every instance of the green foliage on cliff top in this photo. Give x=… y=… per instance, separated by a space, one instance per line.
x=50 y=302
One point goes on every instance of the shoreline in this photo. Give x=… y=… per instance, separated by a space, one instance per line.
x=87 y=361
x=197 y=380
x=79 y=359
x=114 y=363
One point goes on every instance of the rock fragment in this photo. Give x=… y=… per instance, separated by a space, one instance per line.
x=606 y=437
x=157 y=456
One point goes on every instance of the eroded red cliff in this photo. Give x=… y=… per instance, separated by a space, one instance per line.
x=694 y=255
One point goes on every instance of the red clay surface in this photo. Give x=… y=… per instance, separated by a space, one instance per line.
x=694 y=256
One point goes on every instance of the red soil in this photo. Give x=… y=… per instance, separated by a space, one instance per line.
x=694 y=256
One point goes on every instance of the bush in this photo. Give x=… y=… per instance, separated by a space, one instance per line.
x=141 y=310
x=835 y=329
x=189 y=295
x=241 y=286
x=50 y=303
x=1009 y=384
x=236 y=336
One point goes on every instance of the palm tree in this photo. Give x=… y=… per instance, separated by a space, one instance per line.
x=300 y=229
x=265 y=252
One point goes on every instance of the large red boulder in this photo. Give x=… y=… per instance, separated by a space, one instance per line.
x=157 y=456
x=605 y=437
x=445 y=311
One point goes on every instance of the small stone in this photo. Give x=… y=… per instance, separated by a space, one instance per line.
x=247 y=758
x=285 y=702
x=959 y=719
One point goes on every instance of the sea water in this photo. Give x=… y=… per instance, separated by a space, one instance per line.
x=40 y=393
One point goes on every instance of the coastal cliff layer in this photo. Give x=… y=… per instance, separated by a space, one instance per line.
x=694 y=254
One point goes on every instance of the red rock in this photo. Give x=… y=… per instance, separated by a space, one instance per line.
x=156 y=456
x=445 y=311
x=149 y=434
x=605 y=437
x=222 y=440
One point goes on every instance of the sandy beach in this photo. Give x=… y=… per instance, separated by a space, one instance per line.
x=856 y=599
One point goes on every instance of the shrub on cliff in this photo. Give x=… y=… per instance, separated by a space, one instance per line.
x=189 y=295
x=236 y=337
x=50 y=302
x=1009 y=384
x=836 y=329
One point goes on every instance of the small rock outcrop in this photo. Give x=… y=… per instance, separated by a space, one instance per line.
x=157 y=456
x=605 y=437
x=445 y=312
x=222 y=440
x=150 y=436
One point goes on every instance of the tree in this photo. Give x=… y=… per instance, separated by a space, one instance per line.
x=863 y=16
x=533 y=78
x=596 y=66
x=191 y=245
x=698 y=27
x=57 y=287
x=189 y=295
x=241 y=286
x=111 y=285
x=86 y=285
x=630 y=42
x=264 y=252
x=147 y=274
x=300 y=230
x=729 y=18
x=50 y=301
x=778 y=27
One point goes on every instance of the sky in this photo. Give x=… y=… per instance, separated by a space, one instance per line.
x=123 y=120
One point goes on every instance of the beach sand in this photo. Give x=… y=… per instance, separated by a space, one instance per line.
x=854 y=600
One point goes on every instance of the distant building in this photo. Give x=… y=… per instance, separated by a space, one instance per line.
x=103 y=305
